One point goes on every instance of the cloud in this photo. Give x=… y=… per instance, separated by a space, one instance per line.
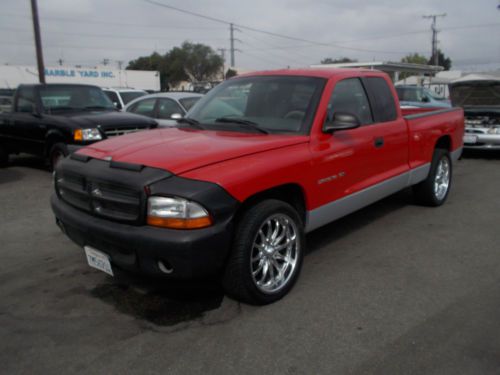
x=121 y=30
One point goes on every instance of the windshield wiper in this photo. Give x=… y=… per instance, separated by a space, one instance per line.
x=62 y=108
x=194 y=123
x=245 y=123
x=90 y=107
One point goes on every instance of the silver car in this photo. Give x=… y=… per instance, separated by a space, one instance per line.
x=163 y=106
x=479 y=96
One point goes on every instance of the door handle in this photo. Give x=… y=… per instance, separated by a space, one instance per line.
x=378 y=142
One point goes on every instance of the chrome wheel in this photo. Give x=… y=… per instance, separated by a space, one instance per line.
x=275 y=252
x=442 y=178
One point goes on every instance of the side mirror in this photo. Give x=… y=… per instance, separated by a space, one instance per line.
x=35 y=112
x=176 y=116
x=341 y=121
x=425 y=99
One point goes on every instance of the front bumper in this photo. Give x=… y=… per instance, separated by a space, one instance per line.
x=475 y=140
x=189 y=253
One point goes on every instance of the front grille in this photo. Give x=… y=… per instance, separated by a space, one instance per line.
x=121 y=131
x=101 y=198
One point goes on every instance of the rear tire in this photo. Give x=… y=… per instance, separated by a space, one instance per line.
x=434 y=190
x=57 y=152
x=267 y=253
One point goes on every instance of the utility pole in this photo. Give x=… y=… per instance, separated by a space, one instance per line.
x=38 y=42
x=231 y=31
x=120 y=64
x=232 y=39
x=434 y=36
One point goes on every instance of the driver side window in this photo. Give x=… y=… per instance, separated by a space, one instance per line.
x=349 y=96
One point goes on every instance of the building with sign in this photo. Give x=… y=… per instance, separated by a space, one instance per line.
x=13 y=75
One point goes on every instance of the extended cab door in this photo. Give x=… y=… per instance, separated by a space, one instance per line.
x=388 y=133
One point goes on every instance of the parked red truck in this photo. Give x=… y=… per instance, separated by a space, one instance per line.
x=258 y=162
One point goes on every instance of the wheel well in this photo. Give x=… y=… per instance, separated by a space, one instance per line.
x=444 y=143
x=292 y=194
x=51 y=141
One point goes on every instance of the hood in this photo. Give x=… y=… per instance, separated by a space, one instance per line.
x=179 y=150
x=107 y=119
x=476 y=92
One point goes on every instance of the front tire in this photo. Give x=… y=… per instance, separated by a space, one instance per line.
x=57 y=152
x=434 y=190
x=4 y=156
x=267 y=253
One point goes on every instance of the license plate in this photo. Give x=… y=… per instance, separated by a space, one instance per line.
x=98 y=260
x=470 y=139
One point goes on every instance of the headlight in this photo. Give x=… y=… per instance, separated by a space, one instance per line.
x=87 y=135
x=177 y=213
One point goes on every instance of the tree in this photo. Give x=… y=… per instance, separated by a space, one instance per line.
x=195 y=62
x=414 y=58
x=200 y=62
x=342 y=60
x=153 y=62
x=442 y=60
x=231 y=73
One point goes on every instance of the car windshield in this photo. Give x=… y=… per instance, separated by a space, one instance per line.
x=74 y=98
x=187 y=103
x=128 y=96
x=261 y=103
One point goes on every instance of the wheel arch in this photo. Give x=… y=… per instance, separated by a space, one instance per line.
x=444 y=142
x=291 y=193
x=53 y=137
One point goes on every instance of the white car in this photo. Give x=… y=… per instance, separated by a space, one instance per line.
x=122 y=96
x=163 y=105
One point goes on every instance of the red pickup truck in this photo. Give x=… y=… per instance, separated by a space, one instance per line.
x=258 y=162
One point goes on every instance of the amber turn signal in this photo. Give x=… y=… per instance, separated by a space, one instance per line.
x=195 y=223
x=78 y=135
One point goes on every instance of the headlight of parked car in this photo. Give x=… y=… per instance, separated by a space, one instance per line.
x=87 y=135
x=177 y=213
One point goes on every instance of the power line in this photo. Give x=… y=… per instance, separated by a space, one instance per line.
x=102 y=35
x=108 y=23
x=268 y=32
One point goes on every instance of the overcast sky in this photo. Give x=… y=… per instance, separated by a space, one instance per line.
x=85 y=32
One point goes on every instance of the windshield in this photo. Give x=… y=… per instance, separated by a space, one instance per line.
x=187 y=103
x=74 y=98
x=271 y=103
x=128 y=96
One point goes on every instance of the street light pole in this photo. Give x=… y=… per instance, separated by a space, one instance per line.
x=38 y=42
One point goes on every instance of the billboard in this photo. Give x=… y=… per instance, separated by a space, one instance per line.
x=13 y=75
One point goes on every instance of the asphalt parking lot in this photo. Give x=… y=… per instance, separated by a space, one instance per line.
x=392 y=289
